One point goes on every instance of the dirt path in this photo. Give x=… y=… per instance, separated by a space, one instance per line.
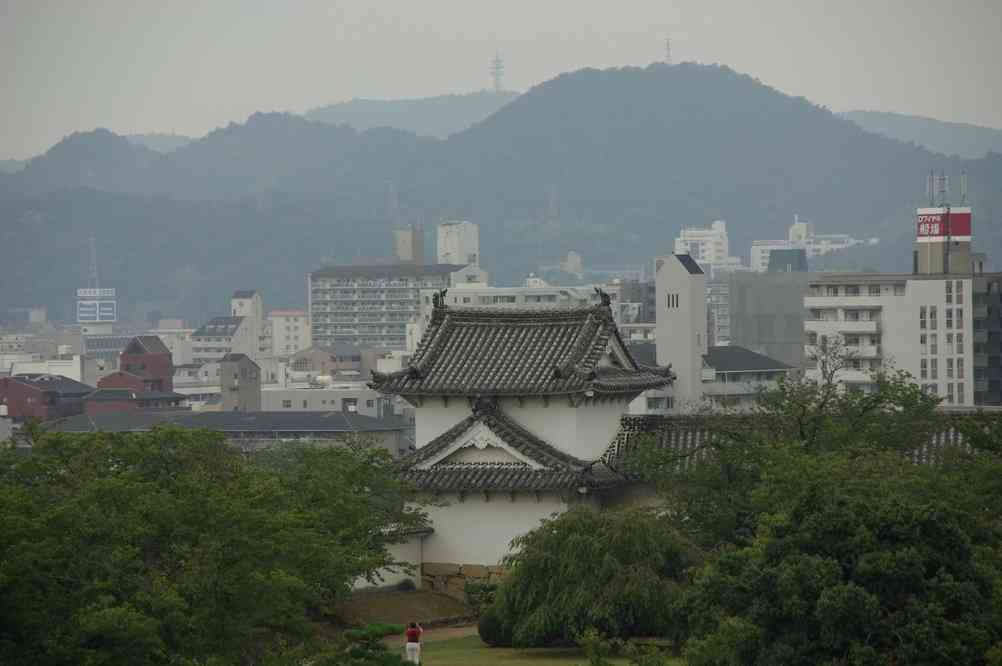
x=432 y=635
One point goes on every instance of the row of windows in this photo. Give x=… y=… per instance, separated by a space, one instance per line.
x=932 y=321
x=954 y=392
x=929 y=368
x=929 y=343
x=856 y=290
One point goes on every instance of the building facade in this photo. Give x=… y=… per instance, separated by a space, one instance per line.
x=290 y=332
x=370 y=306
x=458 y=243
x=681 y=326
x=239 y=383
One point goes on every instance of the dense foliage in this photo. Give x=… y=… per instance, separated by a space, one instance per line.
x=615 y=572
x=173 y=547
x=827 y=529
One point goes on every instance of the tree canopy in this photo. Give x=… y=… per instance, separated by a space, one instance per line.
x=173 y=547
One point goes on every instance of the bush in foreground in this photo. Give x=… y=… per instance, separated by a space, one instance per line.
x=616 y=572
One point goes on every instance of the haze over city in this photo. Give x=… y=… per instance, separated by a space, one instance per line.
x=537 y=333
x=187 y=67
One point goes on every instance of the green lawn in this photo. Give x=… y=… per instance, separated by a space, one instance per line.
x=470 y=651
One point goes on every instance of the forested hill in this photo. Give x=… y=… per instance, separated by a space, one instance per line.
x=438 y=116
x=971 y=141
x=630 y=154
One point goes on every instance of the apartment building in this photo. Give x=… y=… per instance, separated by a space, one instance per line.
x=458 y=243
x=923 y=324
x=370 y=305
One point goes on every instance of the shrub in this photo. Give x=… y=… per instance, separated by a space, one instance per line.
x=617 y=572
x=493 y=629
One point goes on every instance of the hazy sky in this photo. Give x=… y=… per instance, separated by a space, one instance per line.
x=191 y=65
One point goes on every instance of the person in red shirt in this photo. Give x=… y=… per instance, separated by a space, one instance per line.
x=412 y=649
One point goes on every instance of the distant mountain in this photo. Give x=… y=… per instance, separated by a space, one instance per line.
x=10 y=166
x=963 y=140
x=609 y=163
x=162 y=143
x=98 y=159
x=439 y=116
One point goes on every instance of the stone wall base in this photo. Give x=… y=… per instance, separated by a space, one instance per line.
x=451 y=579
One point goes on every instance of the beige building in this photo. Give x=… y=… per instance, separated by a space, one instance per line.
x=290 y=332
x=239 y=383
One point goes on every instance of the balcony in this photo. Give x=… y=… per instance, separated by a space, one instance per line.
x=829 y=302
x=981 y=335
x=863 y=351
x=981 y=360
x=835 y=326
x=980 y=385
x=980 y=311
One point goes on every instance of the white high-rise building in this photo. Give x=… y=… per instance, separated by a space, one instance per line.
x=459 y=243
x=710 y=248
x=706 y=246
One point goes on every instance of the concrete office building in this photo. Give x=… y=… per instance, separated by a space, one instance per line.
x=766 y=314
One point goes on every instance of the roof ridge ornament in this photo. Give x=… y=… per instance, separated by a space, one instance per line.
x=438 y=299
x=604 y=297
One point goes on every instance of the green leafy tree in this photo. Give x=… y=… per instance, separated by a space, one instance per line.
x=173 y=547
x=840 y=579
x=615 y=572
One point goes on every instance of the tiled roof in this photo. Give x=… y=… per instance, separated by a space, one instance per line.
x=733 y=358
x=110 y=395
x=218 y=327
x=498 y=351
x=235 y=357
x=57 y=383
x=556 y=470
x=229 y=422
x=148 y=344
x=244 y=293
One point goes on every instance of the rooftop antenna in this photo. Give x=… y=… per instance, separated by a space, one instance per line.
x=930 y=188
x=668 y=51
x=92 y=278
x=944 y=188
x=497 y=72
x=963 y=187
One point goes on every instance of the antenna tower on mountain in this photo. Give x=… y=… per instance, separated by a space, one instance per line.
x=668 y=50
x=92 y=276
x=497 y=72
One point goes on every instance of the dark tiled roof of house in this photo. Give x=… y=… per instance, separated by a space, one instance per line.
x=236 y=357
x=497 y=351
x=111 y=395
x=218 y=327
x=387 y=270
x=553 y=468
x=57 y=383
x=732 y=358
x=148 y=344
x=244 y=293
x=230 y=422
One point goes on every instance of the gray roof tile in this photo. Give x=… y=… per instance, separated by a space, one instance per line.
x=497 y=351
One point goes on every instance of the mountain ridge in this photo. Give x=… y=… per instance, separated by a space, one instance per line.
x=940 y=136
x=610 y=163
